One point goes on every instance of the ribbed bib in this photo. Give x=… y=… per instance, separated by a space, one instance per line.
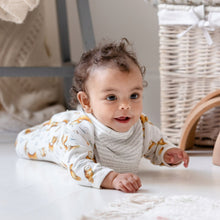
x=120 y=151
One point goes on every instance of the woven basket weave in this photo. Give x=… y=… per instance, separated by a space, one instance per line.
x=189 y=69
x=190 y=2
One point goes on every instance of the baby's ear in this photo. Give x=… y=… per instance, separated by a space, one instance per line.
x=84 y=101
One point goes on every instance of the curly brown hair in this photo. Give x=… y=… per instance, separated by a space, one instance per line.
x=110 y=54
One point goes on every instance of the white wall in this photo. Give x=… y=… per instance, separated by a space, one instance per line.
x=135 y=20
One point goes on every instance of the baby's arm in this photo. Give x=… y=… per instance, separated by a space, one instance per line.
x=126 y=182
x=159 y=150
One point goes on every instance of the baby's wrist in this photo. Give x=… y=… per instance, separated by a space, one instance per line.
x=108 y=180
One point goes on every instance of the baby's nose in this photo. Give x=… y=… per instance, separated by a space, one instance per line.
x=125 y=106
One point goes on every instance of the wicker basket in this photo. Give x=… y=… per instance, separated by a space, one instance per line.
x=190 y=2
x=189 y=69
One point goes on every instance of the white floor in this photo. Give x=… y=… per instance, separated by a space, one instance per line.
x=41 y=190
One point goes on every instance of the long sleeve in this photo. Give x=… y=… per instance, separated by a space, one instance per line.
x=80 y=159
x=68 y=140
x=155 y=143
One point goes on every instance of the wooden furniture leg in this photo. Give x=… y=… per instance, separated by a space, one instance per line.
x=216 y=152
x=188 y=131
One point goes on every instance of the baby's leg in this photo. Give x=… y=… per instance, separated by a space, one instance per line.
x=216 y=152
x=37 y=143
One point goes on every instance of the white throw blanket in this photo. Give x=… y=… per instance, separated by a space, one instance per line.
x=25 y=101
x=144 y=206
x=16 y=11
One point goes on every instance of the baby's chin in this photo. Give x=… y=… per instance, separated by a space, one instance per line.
x=120 y=129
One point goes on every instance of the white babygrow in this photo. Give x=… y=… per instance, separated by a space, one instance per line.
x=89 y=149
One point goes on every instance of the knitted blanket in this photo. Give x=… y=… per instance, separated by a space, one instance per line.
x=16 y=11
x=156 y=207
x=25 y=101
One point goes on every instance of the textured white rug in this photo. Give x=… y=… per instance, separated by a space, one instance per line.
x=143 y=206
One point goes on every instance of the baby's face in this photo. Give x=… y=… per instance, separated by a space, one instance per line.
x=115 y=97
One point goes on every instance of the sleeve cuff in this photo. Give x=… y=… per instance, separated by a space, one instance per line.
x=100 y=177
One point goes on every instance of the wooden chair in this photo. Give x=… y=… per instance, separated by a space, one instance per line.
x=188 y=131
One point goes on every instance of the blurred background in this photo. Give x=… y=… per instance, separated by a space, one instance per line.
x=31 y=37
x=135 y=20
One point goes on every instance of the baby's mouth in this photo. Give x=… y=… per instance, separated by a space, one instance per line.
x=122 y=119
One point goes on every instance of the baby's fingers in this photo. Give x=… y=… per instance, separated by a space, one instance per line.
x=138 y=180
x=135 y=182
x=126 y=186
x=169 y=159
x=122 y=187
x=182 y=156
x=185 y=159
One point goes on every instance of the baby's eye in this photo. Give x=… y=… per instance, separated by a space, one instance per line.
x=134 y=96
x=111 y=98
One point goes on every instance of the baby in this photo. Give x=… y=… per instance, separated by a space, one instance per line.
x=102 y=143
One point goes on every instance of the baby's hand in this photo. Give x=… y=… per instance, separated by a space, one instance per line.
x=127 y=182
x=175 y=156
